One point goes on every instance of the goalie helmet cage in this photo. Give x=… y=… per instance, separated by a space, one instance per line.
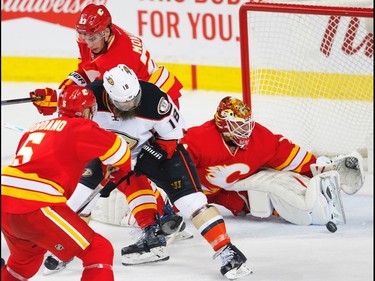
x=307 y=73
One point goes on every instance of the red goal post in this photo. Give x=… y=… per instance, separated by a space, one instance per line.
x=299 y=56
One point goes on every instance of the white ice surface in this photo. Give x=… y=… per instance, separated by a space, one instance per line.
x=276 y=250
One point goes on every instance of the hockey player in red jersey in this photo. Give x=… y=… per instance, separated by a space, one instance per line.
x=48 y=163
x=247 y=169
x=102 y=46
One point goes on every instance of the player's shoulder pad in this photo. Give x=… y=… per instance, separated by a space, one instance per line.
x=154 y=102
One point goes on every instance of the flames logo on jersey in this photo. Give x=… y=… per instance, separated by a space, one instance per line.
x=226 y=175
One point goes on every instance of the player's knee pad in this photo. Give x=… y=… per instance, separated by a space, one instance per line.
x=93 y=174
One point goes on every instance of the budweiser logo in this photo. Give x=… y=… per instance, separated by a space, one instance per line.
x=63 y=12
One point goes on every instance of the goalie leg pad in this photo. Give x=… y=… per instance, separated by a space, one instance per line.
x=260 y=203
x=114 y=210
x=286 y=191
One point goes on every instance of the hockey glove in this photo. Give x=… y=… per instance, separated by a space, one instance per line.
x=74 y=78
x=45 y=100
x=107 y=189
x=149 y=160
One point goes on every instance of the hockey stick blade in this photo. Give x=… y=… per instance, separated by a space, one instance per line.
x=21 y=100
x=13 y=127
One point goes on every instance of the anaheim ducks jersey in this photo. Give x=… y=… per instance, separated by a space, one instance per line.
x=156 y=117
x=124 y=48
x=50 y=159
x=220 y=165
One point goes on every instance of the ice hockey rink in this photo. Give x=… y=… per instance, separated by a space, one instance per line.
x=276 y=250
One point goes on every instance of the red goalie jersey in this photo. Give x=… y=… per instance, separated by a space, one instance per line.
x=220 y=166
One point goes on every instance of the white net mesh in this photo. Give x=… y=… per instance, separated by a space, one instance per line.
x=311 y=77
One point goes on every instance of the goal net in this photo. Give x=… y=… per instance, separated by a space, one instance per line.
x=307 y=72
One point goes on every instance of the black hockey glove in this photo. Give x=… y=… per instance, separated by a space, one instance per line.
x=107 y=189
x=149 y=160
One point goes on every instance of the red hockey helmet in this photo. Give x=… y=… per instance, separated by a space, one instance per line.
x=73 y=101
x=233 y=118
x=93 y=19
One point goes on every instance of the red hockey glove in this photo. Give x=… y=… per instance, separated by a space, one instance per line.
x=45 y=100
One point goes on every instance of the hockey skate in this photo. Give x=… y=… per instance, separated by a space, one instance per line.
x=233 y=262
x=330 y=188
x=173 y=226
x=151 y=247
x=53 y=264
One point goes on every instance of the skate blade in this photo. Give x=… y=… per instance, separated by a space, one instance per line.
x=179 y=236
x=183 y=235
x=156 y=254
x=239 y=272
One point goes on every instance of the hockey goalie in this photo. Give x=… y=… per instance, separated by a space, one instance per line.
x=295 y=198
x=246 y=168
x=249 y=170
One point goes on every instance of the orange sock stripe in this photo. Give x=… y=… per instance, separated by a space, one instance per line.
x=217 y=236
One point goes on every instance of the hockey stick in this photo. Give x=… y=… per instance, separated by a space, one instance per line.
x=13 y=127
x=97 y=190
x=21 y=100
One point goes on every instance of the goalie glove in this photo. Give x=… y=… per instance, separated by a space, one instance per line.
x=149 y=160
x=349 y=167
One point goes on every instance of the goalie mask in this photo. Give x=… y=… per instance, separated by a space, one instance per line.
x=234 y=120
x=123 y=87
x=74 y=100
